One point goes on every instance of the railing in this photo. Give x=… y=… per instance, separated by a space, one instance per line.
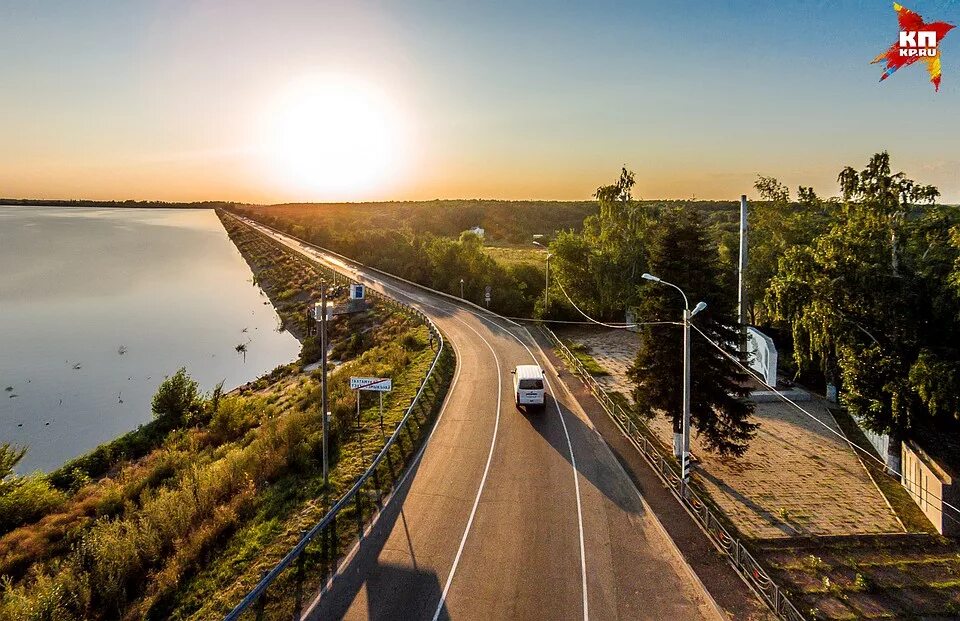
x=707 y=517
x=360 y=505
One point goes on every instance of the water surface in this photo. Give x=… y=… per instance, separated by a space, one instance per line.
x=97 y=306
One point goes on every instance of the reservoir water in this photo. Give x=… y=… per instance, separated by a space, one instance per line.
x=97 y=306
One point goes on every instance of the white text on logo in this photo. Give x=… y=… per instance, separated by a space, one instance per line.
x=918 y=43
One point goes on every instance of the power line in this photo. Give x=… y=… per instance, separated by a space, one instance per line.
x=616 y=326
x=843 y=437
x=592 y=323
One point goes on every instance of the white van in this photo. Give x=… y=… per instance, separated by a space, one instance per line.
x=528 y=385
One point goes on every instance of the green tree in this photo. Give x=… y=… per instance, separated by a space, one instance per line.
x=177 y=400
x=867 y=302
x=600 y=266
x=23 y=499
x=776 y=224
x=681 y=253
x=10 y=456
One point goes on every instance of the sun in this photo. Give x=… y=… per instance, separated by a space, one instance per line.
x=334 y=137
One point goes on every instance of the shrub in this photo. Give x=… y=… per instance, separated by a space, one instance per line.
x=26 y=500
x=352 y=347
x=177 y=399
x=311 y=350
x=22 y=499
x=234 y=417
x=411 y=342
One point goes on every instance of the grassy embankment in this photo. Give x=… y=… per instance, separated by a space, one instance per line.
x=186 y=528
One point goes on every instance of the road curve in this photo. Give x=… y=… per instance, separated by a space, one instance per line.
x=507 y=515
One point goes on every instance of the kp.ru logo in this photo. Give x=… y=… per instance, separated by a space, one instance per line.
x=918 y=41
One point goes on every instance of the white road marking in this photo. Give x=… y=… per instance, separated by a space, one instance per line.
x=573 y=461
x=483 y=480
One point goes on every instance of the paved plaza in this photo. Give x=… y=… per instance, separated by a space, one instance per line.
x=797 y=478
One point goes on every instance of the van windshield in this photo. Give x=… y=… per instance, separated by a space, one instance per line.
x=531 y=384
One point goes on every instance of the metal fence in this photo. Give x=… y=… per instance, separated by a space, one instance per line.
x=344 y=524
x=707 y=517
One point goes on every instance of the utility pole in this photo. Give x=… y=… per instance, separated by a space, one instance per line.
x=546 y=288
x=323 y=366
x=685 y=454
x=742 y=268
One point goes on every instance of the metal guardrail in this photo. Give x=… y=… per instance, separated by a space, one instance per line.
x=256 y=599
x=741 y=559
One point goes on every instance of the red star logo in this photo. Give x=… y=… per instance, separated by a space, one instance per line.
x=913 y=45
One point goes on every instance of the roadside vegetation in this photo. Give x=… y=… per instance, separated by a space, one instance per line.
x=582 y=353
x=179 y=521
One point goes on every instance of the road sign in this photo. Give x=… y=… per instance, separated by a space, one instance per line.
x=486 y=294
x=376 y=384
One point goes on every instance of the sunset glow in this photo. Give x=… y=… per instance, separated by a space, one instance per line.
x=348 y=100
x=334 y=137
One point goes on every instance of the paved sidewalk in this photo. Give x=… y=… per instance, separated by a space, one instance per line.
x=797 y=478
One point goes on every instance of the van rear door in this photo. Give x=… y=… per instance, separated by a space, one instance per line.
x=530 y=391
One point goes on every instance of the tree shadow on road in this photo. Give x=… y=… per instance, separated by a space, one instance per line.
x=392 y=590
x=588 y=448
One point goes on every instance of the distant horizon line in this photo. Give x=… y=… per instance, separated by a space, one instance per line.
x=208 y=204
x=13 y=202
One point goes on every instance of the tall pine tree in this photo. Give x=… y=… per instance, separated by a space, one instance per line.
x=681 y=253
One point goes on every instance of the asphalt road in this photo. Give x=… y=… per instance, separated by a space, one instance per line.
x=509 y=514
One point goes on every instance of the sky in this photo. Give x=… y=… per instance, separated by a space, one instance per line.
x=311 y=100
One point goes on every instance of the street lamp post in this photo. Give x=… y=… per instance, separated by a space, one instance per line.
x=461 y=288
x=684 y=448
x=546 y=287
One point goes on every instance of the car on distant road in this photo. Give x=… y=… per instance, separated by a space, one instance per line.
x=528 y=386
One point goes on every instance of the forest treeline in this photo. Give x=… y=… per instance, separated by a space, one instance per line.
x=861 y=290
x=428 y=242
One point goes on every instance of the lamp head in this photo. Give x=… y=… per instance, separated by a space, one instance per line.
x=699 y=307
x=649 y=276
